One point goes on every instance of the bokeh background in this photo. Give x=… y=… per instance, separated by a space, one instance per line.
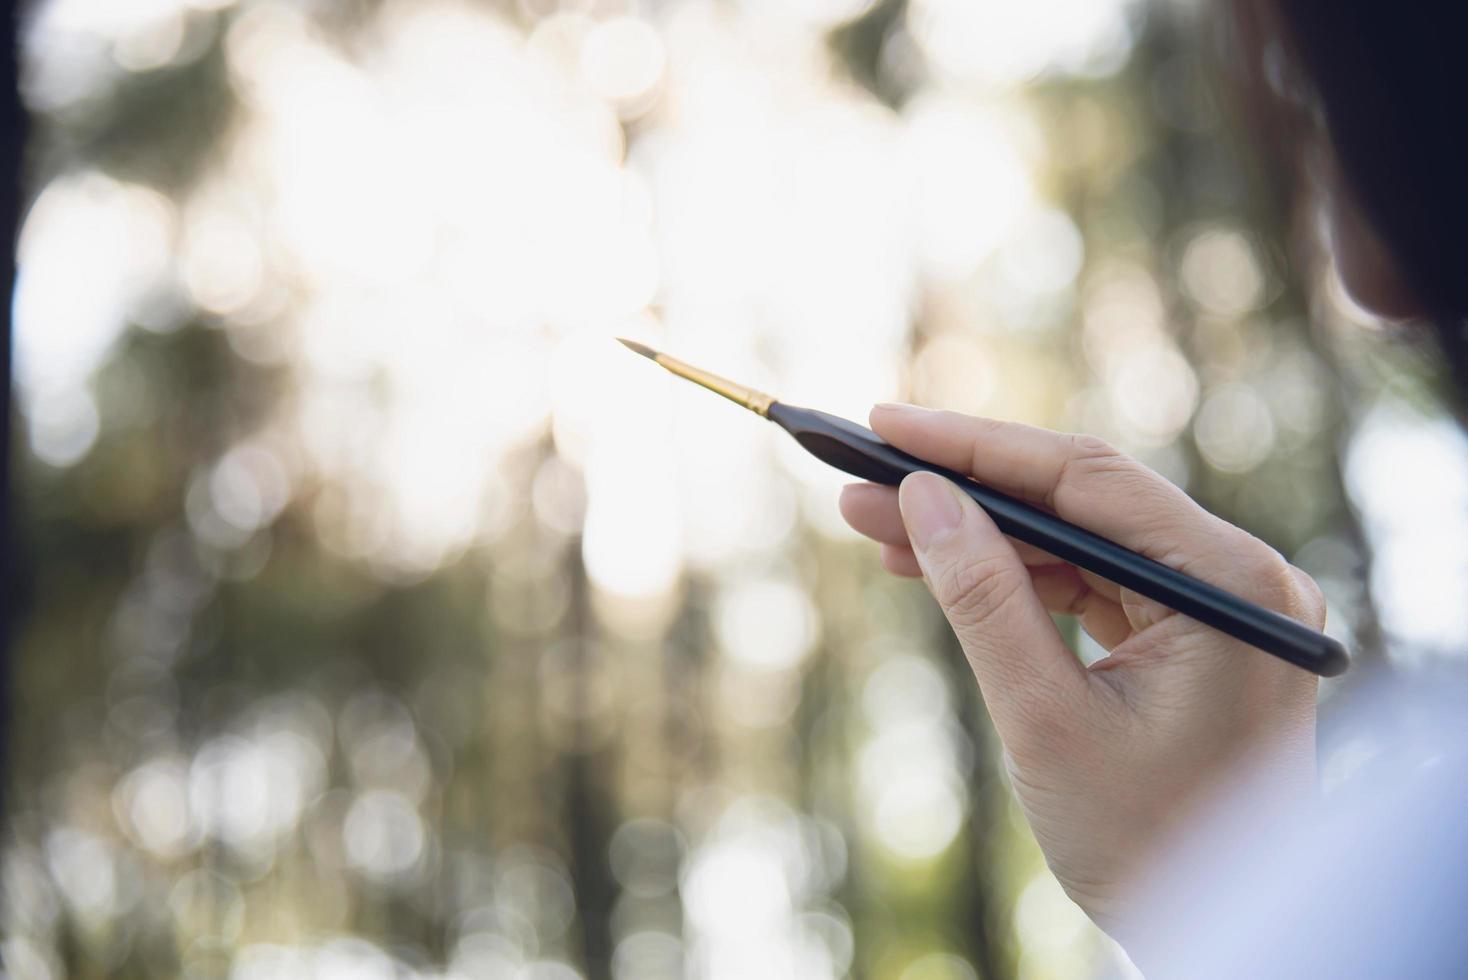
x=383 y=618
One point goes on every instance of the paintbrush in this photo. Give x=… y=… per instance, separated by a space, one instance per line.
x=860 y=452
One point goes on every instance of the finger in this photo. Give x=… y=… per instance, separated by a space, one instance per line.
x=1024 y=669
x=1312 y=600
x=1101 y=586
x=1060 y=588
x=1087 y=482
x=1037 y=465
x=1065 y=592
x=899 y=560
x=1106 y=622
x=871 y=509
x=1033 y=556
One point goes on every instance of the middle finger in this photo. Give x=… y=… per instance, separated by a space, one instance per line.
x=871 y=509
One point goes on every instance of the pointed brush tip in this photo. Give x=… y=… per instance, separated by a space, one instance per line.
x=642 y=349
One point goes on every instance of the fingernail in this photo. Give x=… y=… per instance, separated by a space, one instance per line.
x=900 y=407
x=930 y=508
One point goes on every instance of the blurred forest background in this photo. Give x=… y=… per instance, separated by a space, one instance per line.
x=383 y=618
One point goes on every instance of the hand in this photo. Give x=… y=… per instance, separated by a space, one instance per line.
x=1105 y=760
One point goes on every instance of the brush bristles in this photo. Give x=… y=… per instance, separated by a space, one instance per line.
x=642 y=349
x=756 y=401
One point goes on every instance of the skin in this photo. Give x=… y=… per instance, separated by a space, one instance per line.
x=1106 y=760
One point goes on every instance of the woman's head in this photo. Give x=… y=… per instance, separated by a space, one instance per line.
x=1384 y=86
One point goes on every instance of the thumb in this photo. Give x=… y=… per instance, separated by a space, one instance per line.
x=1027 y=674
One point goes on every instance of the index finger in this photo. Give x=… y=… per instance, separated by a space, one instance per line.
x=1089 y=483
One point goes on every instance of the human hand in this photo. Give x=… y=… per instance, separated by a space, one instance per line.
x=1106 y=760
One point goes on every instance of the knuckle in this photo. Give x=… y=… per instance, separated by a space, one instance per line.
x=1083 y=446
x=1255 y=571
x=985 y=427
x=981 y=431
x=1185 y=538
x=1278 y=585
x=1089 y=459
x=973 y=587
x=1311 y=600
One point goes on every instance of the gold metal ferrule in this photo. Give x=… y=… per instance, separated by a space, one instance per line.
x=756 y=401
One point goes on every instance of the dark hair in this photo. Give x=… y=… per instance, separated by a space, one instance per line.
x=1389 y=78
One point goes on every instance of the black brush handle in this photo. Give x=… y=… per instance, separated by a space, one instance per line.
x=860 y=452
